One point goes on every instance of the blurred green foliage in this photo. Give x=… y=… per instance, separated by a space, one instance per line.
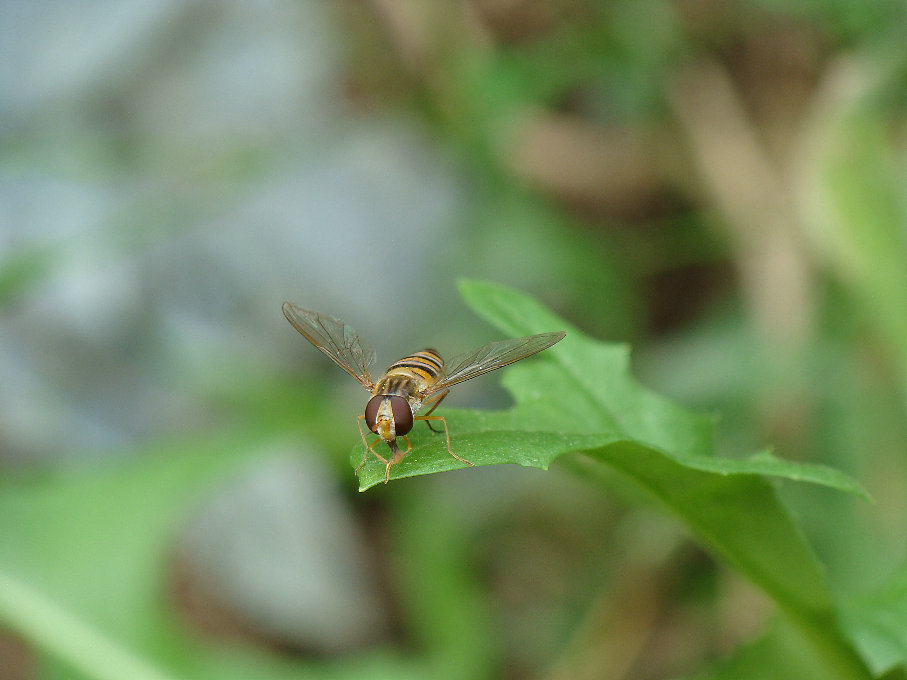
x=721 y=185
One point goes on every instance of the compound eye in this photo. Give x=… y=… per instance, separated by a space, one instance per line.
x=403 y=416
x=371 y=412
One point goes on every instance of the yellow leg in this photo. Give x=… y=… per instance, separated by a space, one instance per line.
x=435 y=401
x=398 y=455
x=368 y=447
x=427 y=417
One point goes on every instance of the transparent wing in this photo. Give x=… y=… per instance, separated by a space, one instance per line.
x=336 y=339
x=491 y=357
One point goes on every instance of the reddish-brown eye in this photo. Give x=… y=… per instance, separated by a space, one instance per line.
x=403 y=416
x=371 y=412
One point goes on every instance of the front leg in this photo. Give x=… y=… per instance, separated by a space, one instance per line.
x=397 y=457
x=368 y=447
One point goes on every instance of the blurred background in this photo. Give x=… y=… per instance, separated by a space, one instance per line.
x=721 y=184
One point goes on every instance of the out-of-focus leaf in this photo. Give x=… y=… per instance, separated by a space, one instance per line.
x=853 y=195
x=897 y=673
x=23 y=269
x=878 y=623
x=774 y=656
x=83 y=560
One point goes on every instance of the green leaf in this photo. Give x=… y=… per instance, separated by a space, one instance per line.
x=775 y=655
x=855 y=198
x=578 y=397
x=897 y=673
x=22 y=269
x=878 y=623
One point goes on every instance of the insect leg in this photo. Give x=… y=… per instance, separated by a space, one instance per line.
x=397 y=457
x=427 y=417
x=368 y=447
x=435 y=402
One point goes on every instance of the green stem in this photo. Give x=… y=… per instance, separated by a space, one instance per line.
x=48 y=626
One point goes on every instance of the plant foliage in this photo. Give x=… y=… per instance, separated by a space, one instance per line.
x=579 y=398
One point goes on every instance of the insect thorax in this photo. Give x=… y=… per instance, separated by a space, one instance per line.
x=402 y=383
x=411 y=376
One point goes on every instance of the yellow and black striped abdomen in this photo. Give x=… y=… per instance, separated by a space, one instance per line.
x=427 y=364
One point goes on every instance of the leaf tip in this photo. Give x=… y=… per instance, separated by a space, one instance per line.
x=468 y=287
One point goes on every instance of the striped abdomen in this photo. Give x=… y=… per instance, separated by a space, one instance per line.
x=411 y=374
x=427 y=364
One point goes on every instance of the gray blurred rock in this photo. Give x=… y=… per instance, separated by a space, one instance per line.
x=283 y=551
x=180 y=169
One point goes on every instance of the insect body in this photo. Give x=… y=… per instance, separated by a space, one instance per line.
x=418 y=380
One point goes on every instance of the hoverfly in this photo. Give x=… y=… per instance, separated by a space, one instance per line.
x=415 y=381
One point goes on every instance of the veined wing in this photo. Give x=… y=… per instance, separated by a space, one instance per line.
x=491 y=357
x=334 y=338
